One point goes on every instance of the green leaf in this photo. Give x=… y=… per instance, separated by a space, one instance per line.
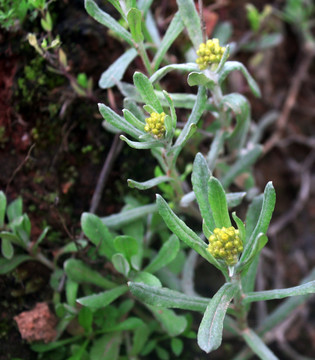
x=150 y=183
x=234 y=199
x=40 y=238
x=191 y=20
x=129 y=324
x=147 y=279
x=200 y=177
x=173 y=324
x=140 y=338
x=196 y=113
x=241 y=109
x=133 y=120
x=179 y=228
x=7 y=249
x=15 y=209
x=118 y=122
x=8 y=265
x=100 y=300
x=106 y=347
x=211 y=327
x=172 y=109
x=126 y=245
x=218 y=203
x=121 y=264
x=240 y=226
x=3 y=206
x=85 y=319
x=77 y=271
x=200 y=79
x=98 y=234
x=257 y=345
x=158 y=75
x=241 y=165
x=54 y=345
x=71 y=288
x=164 y=297
x=175 y=28
x=106 y=20
x=146 y=91
x=307 y=288
x=268 y=206
x=230 y=66
x=134 y=18
x=142 y=145
x=177 y=346
x=117 y=69
x=166 y=254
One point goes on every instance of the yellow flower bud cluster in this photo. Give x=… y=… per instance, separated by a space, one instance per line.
x=155 y=124
x=225 y=244
x=209 y=53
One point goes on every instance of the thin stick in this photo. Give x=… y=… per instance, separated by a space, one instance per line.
x=113 y=152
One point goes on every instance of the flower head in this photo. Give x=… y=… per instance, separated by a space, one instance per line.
x=225 y=244
x=155 y=124
x=209 y=53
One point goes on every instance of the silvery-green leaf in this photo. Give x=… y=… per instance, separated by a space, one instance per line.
x=191 y=20
x=158 y=75
x=241 y=165
x=148 y=184
x=257 y=345
x=172 y=108
x=230 y=66
x=121 y=264
x=116 y=221
x=132 y=119
x=134 y=18
x=141 y=145
x=105 y=19
x=211 y=327
x=118 y=121
x=146 y=91
x=200 y=79
x=116 y=71
x=175 y=28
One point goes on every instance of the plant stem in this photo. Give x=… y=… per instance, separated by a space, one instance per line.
x=144 y=56
x=241 y=313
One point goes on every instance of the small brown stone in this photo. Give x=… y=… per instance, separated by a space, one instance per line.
x=37 y=324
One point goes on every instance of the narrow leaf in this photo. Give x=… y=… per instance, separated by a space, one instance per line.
x=211 y=327
x=147 y=279
x=98 y=234
x=242 y=164
x=116 y=71
x=191 y=20
x=218 y=203
x=158 y=75
x=230 y=66
x=257 y=345
x=146 y=91
x=118 y=122
x=164 y=297
x=97 y=301
x=166 y=254
x=200 y=79
x=7 y=265
x=173 y=324
x=150 y=183
x=15 y=209
x=308 y=288
x=116 y=221
x=179 y=228
x=77 y=271
x=200 y=177
x=106 y=347
x=7 y=249
x=3 y=206
x=175 y=28
x=105 y=19
x=133 y=120
x=141 y=145
x=134 y=18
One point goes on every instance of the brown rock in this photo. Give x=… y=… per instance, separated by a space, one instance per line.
x=37 y=324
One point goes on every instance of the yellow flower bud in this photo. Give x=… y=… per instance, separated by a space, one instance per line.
x=209 y=53
x=225 y=244
x=155 y=125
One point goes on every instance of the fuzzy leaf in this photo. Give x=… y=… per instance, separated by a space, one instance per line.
x=102 y=17
x=173 y=324
x=218 y=203
x=134 y=18
x=158 y=75
x=116 y=71
x=191 y=20
x=164 y=297
x=211 y=327
x=97 y=301
x=145 y=88
x=8 y=265
x=257 y=345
